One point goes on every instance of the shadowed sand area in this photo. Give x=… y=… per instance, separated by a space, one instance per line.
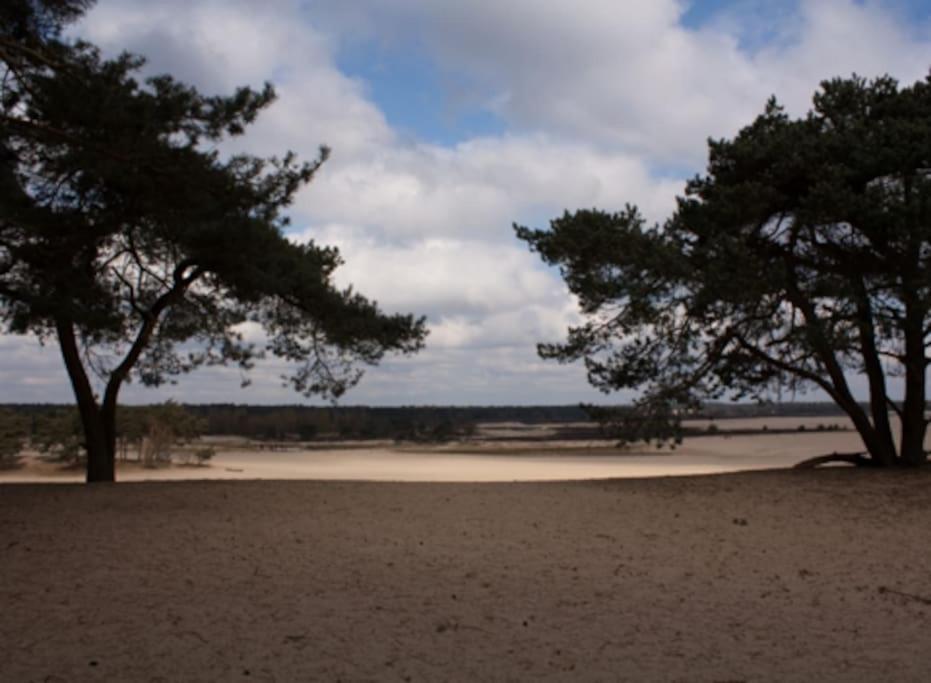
x=758 y=576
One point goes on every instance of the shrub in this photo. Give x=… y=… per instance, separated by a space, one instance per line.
x=204 y=454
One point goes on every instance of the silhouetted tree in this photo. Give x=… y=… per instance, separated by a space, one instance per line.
x=129 y=239
x=803 y=255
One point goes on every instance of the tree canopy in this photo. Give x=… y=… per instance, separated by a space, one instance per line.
x=128 y=237
x=800 y=257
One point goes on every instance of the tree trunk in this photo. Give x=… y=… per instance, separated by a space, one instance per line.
x=879 y=406
x=101 y=460
x=108 y=424
x=881 y=451
x=98 y=437
x=878 y=449
x=880 y=454
x=912 y=449
x=99 y=421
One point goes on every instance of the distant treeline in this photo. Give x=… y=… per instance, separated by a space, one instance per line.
x=405 y=423
x=793 y=409
x=411 y=423
x=305 y=423
x=147 y=434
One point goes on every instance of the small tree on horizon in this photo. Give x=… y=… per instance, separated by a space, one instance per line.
x=128 y=239
x=801 y=256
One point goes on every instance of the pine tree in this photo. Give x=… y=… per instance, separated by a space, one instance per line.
x=130 y=240
x=803 y=255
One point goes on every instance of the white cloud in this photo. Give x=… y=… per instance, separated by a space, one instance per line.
x=438 y=276
x=838 y=38
x=218 y=46
x=476 y=189
x=596 y=96
x=629 y=76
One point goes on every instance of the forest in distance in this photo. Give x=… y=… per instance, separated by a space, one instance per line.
x=400 y=423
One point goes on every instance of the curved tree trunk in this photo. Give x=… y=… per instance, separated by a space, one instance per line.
x=99 y=420
x=880 y=455
x=875 y=433
x=98 y=424
x=880 y=452
x=879 y=397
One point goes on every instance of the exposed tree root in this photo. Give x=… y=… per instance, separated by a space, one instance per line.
x=859 y=459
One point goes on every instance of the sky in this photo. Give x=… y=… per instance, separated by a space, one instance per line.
x=450 y=121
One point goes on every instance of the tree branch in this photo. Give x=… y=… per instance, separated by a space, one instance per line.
x=822 y=348
x=150 y=320
x=787 y=367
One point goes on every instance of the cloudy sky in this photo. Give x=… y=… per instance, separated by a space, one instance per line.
x=450 y=120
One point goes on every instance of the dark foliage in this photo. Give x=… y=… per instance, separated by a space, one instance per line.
x=802 y=256
x=127 y=237
x=401 y=423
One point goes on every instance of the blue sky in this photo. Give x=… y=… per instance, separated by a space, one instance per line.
x=416 y=97
x=449 y=121
x=425 y=102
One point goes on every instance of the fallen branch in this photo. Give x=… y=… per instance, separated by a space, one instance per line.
x=859 y=459
x=910 y=596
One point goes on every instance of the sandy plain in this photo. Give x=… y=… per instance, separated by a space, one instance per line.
x=755 y=576
x=499 y=455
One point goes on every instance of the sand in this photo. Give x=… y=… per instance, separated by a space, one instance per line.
x=761 y=576
x=491 y=460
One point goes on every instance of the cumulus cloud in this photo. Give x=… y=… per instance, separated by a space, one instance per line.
x=477 y=188
x=446 y=277
x=218 y=46
x=602 y=103
x=631 y=76
x=840 y=37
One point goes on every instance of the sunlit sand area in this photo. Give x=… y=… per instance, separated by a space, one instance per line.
x=499 y=455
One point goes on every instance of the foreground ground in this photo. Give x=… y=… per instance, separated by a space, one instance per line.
x=765 y=576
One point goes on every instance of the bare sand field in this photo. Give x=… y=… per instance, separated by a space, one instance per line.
x=757 y=576
x=489 y=459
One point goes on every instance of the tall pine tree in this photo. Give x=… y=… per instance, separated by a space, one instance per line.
x=803 y=255
x=128 y=239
